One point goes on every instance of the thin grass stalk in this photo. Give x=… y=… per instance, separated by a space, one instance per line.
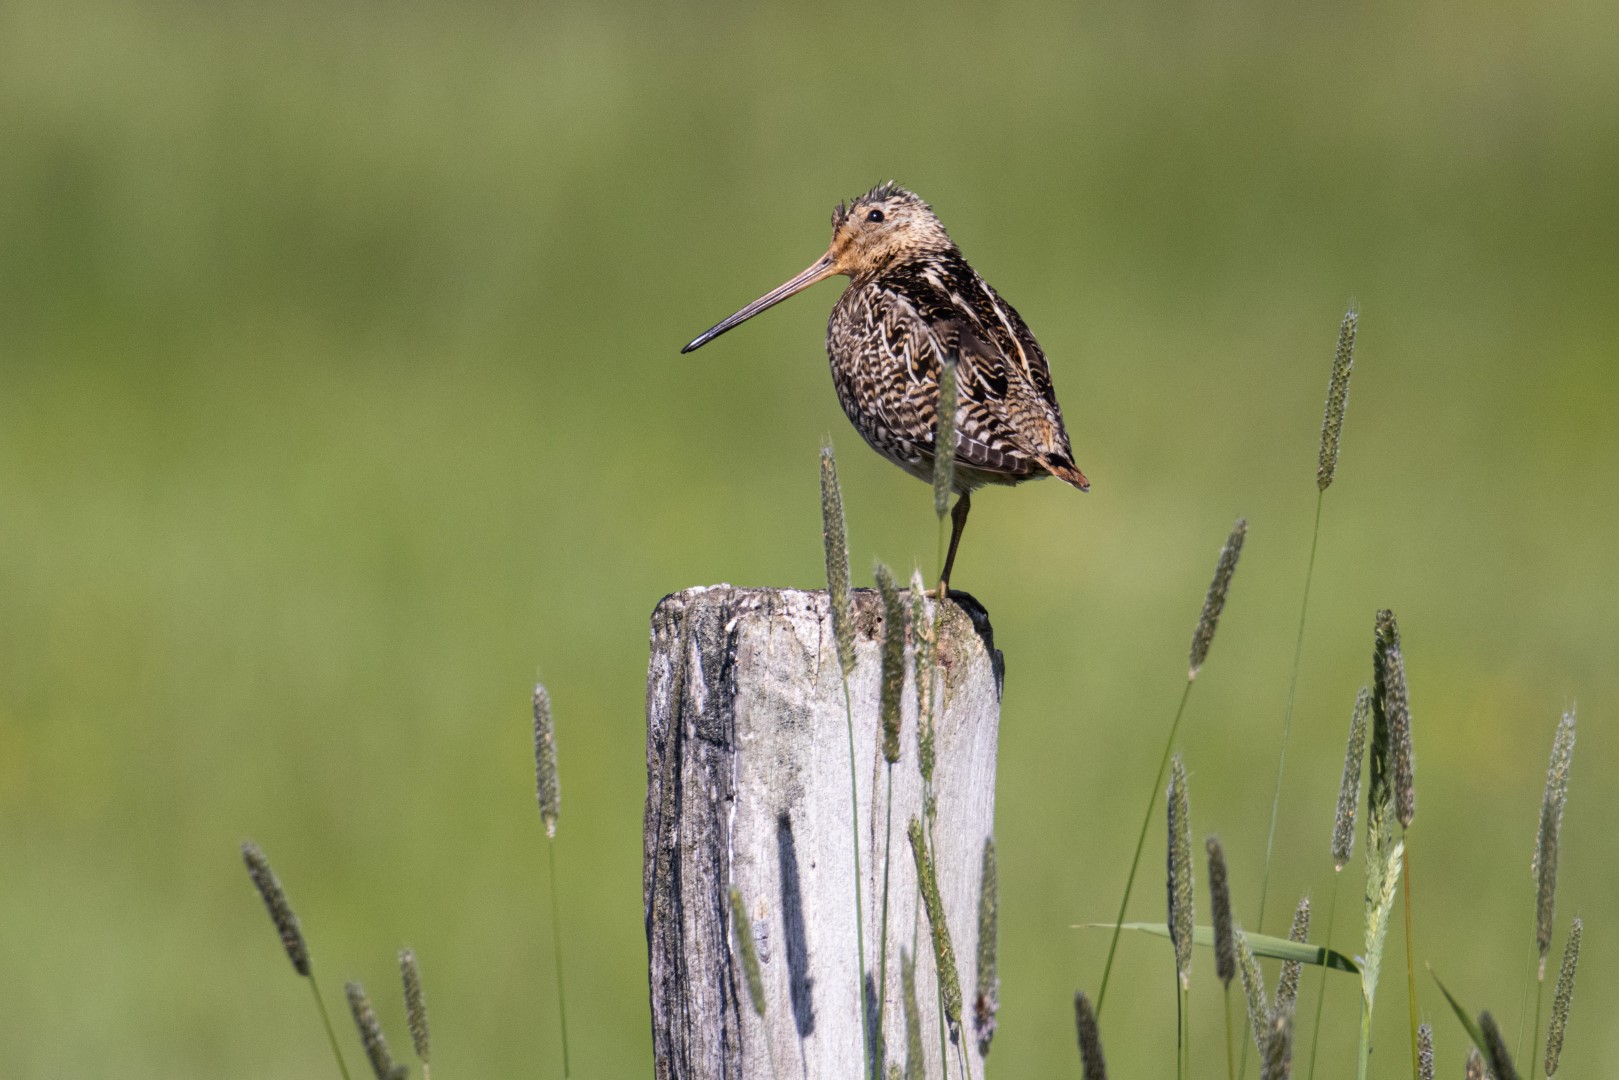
x=548 y=793
x=1410 y=965
x=892 y=694
x=913 y=1016
x=1230 y=1050
x=834 y=538
x=1141 y=843
x=1287 y=715
x=1321 y=994
x=331 y=1033
x=556 y=952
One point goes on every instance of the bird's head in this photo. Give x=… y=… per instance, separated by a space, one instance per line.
x=884 y=227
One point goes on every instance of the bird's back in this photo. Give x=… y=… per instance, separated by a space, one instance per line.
x=886 y=338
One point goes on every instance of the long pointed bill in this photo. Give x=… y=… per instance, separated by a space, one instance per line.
x=819 y=270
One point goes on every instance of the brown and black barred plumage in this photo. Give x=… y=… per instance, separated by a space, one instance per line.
x=913 y=302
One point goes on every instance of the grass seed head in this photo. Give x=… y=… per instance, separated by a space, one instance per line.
x=1495 y=1048
x=893 y=669
x=1214 y=602
x=275 y=901
x=545 y=761
x=1225 y=949
x=834 y=538
x=1278 y=1047
x=1563 y=998
x=1343 y=824
x=1425 y=1052
x=365 y=1021
x=1253 y=986
x=1396 y=710
x=1090 y=1038
x=944 y=954
x=1287 y=985
x=914 y=1054
x=742 y=927
x=944 y=437
x=1551 y=825
x=1332 y=424
x=415 y=1005
x=1179 y=876
x=925 y=635
x=987 y=1001
x=1475 y=1065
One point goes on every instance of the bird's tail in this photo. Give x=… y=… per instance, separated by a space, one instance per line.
x=1067 y=472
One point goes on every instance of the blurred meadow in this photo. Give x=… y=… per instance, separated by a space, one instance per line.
x=340 y=400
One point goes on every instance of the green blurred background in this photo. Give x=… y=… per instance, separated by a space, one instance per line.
x=339 y=400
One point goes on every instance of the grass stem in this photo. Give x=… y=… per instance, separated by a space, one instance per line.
x=859 y=906
x=331 y=1036
x=1230 y=1056
x=1141 y=842
x=1410 y=964
x=556 y=951
x=1287 y=716
x=1321 y=996
x=882 y=948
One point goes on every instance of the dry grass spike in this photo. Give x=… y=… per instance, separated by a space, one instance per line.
x=944 y=954
x=835 y=539
x=1278 y=1047
x=415 y=1008
x=1546 y=839
x=1225 y=948
x=1396 y=710
x=545 y=761
x=893 y=666
x=1425 y=1052
x=275 y=901
x=1332 y=423
x=1179 y=877
x=1563 y=999
x=1090 y=1039
x=1214 y=602
x=1253 y=986
x=987 y=1002
x=1495 y=1049
x=365 y=1021
x=1287 y=985
x=1343 y=823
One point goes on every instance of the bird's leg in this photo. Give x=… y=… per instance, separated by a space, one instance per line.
x=958 y=522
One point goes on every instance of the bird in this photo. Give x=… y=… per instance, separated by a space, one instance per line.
x=912 y=305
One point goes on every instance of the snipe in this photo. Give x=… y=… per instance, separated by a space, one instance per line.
x=913 y=301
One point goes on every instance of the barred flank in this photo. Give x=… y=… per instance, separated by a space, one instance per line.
x=944 y=438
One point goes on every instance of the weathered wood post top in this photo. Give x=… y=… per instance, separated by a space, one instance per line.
x=748 y=787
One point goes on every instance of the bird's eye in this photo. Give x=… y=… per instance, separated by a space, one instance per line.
x=875 y=215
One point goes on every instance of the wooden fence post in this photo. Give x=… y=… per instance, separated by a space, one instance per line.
x=748 y=787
